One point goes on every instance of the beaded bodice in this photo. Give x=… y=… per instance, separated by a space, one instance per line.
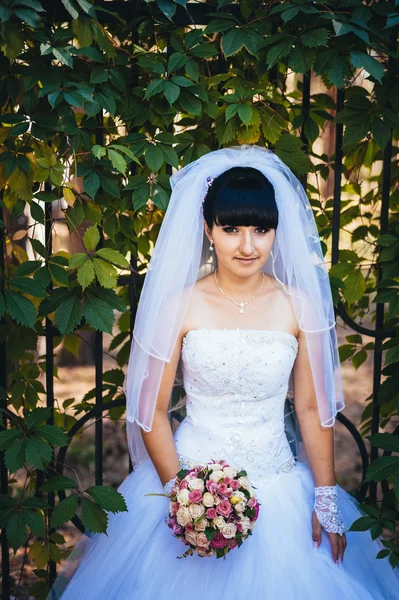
x=236 y=381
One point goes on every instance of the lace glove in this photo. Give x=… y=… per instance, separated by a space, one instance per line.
x=168 y=487
x=327 y=511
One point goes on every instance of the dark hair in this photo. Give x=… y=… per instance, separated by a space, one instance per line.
x=241 y=196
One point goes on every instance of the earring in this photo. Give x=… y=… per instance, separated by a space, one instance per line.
x=211 y=246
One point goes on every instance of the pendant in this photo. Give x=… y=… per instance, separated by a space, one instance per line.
x=242 y=308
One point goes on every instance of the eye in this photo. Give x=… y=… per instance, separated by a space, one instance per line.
x=228 y=229
x=263 y=230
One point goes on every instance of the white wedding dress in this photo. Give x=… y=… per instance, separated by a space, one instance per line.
x=236 y=382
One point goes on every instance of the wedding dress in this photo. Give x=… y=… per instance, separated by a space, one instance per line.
x=236 y=382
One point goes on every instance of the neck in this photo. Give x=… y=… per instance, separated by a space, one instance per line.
x=239 y=288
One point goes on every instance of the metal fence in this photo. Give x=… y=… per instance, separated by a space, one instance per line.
x=198 y=15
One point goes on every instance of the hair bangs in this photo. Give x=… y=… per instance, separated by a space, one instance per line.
x=241 y=196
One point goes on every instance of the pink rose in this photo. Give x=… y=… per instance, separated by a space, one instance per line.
x=252 y=502
x=222 y=489
x=190 y=527
x=177 y=529
x=195 y=496
x=224 y=508
x=212 y=486
x=256 y=507
x=233 y=544
x=234 y=484
x=183 y=485
x=175 y=507
x=227 y=480
x=219 y=541
x=211 y=513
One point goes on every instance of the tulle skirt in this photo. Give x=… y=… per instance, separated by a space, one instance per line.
x=137 y=559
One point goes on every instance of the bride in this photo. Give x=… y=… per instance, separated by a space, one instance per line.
x=237 y=296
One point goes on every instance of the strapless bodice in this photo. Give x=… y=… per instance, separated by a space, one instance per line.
x=236 y=382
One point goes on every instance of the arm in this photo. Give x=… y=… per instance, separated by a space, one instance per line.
x=318 y=440
x=159 y=441
x=319 y=446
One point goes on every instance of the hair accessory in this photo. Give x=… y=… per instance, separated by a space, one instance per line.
x=210 y=180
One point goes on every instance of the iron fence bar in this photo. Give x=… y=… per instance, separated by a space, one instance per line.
x=379 y=321
x=52 y=567
x=98 y=357
x=5 y=552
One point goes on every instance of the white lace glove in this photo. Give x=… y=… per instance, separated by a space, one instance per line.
x=326 y=508
x=168 y=487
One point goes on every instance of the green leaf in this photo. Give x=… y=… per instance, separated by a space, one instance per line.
x=108 y=498
x=381 y=132
x=15 y=456
x=8 y=437
x=154 y=157
x=156 y=86
x=29 y=286
x=20 y=308
x=315 y=37
x=277 y=52
x=355 y=286
x=37 y=416
x=371 y=65
x=117 y=161
x=38 y=247
x=69 y=314
x=86 y=273
x=37 y=212
x=91 y=184
x=232 y=41
x=113 y=256
x=98 y=151
x=171 y=91
x=63 y=56
x=362 y=524
x=70 y=6
x=91 y=238
x=64 y=511
x=106 y=273
x=245 y=113
x=98 y=314
x=77 y=260
x=93 y=517
x=385 y=441
x=382 y=467
x=57 y=483
x=359 y=358
x=52 y=434
x=35 y=522
x=176 y=61
x=16 y=531
x=38 y=452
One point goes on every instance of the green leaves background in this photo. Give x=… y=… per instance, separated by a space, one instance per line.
x=95 y=117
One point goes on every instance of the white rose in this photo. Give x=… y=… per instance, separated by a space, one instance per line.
x=201 y=525
x=229 y=472
x=182 y=497
x=208 y=499
x=216 y=467
x=192 y=537
x=240 y=507
x=183 y=516
x=202 y=540
x=216 y=475
x=196 y=484
x=245 y=523
x=229 y=531
x=219 y=522
x=241 y=495
x=244 y=482
x=196 y=510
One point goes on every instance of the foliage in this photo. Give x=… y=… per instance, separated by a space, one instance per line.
x=93 y=120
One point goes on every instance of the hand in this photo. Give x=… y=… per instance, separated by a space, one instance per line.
x=338 y=542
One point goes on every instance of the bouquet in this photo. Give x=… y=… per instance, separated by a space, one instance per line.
x=212 y=509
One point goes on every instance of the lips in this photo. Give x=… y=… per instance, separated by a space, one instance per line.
x=246 y=259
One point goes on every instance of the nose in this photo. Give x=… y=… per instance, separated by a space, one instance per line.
x=247 y=244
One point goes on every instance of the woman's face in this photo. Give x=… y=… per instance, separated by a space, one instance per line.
x=242 y=250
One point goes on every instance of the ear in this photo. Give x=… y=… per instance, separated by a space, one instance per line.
x=208 y=232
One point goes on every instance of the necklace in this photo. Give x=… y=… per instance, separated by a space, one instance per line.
x=241 y=304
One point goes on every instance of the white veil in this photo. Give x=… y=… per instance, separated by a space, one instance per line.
x=181 y=257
